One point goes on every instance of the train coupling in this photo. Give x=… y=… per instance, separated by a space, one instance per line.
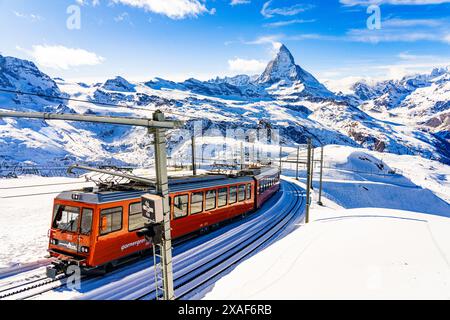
x=52 y=271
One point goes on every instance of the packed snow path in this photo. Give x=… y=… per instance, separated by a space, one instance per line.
x=200 y=262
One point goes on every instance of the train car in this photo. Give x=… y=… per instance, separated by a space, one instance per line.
x=267 y=183
x=97 y=229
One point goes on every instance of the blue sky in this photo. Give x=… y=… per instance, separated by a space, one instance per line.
x=178 y=39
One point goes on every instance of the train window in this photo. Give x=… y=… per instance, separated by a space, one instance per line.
x=86 y=221
x=210 y=199
x=180 y=206
x=249 y=191
x=136 y=220
x=196 y=202
x=233 y=195
x=223 y=197
x=110 y=220
x=241 y=193
x=66 y=218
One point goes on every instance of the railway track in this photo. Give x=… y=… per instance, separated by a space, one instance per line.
x=197 y=263
x=24 y=289
x=203 y=263
x=192 y=279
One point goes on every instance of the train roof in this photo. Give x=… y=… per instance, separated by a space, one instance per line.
x=267 y=172
x=176 y=185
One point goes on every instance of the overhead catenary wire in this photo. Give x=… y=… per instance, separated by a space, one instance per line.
x=106 y=104
x=44 y=185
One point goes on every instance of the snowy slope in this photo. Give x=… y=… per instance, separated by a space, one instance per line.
x=385 y=237
x=348 y=172
x=349 y=254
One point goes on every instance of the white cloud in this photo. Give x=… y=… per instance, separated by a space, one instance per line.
x=236 y=2
x=174 y=9
x=121 y=17
x=394 y=35
x=413 y=23
x=403 y=30
x=60 y=57
x=393 y=2
x=269 y=12
x=246 y=66
x=85 y=2
x=287 y=23
x=31 y=17
x=272 y=39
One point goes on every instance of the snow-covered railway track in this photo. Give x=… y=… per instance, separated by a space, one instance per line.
x=203 y=262
x=193 y=278
x=31 y=287
x=197 y=263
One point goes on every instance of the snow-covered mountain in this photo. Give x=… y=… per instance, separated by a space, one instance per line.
x=283 y=97
x=282 y=72
x=22 y=75
x=421 y=101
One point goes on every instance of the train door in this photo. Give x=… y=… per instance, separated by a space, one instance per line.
x=84 y=236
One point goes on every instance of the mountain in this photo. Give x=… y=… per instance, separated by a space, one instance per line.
x=421 y=100
x=284 y=97
x=118 y=84
x=282 y=78
x=283 y=72
x=23 y=76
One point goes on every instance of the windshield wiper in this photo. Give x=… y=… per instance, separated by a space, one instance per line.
x=68 y=228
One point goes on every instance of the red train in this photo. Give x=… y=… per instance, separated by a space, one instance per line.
x=97 y=229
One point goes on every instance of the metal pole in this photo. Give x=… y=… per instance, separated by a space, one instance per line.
x=253 y=153
x=312 y=167
x=281 y=152
x=162 y=188
x=298 y=157
x=308 y=181
x=95 y=119
x=321 y=173
x=242 y=155
x=194 y=167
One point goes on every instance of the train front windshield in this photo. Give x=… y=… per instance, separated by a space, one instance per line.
x=66 y=218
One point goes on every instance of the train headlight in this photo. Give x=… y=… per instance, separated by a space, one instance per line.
x=54 y=241
x=85 y=249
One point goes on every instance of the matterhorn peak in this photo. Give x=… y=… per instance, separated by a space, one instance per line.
x=282 y=67
x=284 y=55
x=282 y=71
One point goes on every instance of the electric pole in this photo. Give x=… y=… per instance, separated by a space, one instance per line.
x=281 y=152
x=242 y=155
x=194 y=166
x=162 y=189
x=321 y=175
x=308 y=181
x=298 y=159
x=312 y=167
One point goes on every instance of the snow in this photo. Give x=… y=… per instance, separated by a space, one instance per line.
x=350 y=254
x=25 y=221
x=390 y=241
x=351 y=249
